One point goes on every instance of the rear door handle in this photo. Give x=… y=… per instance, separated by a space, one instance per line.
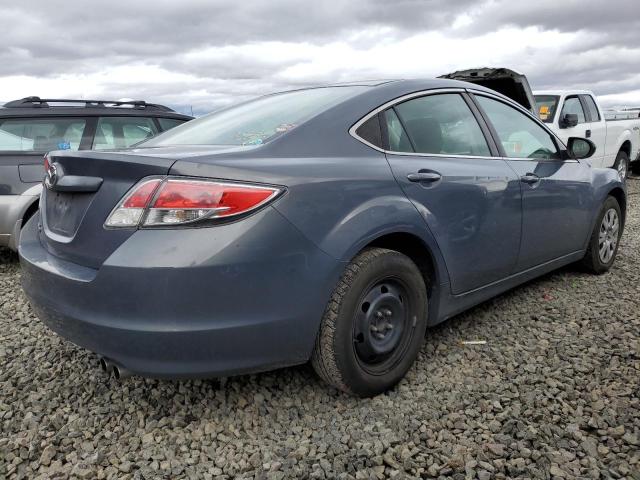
x=530 y=178
x=424 y=177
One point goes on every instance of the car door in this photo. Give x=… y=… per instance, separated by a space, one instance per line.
x=572 y=105
x=447 y=165
x=556 y=192
x=597 y=130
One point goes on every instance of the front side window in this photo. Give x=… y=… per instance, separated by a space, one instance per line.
x=593 y=109
x=122 y=132
x=441 y=124
x=41 y=134
x=572 y=105
x=257 y=121
x=520 y=136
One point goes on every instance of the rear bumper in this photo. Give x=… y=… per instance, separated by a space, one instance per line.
x=232 y=299
x=12 y=210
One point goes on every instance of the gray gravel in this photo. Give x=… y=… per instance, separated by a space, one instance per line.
x=555 y=392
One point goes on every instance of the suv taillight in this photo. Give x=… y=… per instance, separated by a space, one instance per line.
x=175 y=201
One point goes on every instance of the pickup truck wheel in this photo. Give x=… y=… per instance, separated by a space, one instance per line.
x=603 y=244
x=622 y=164
x=374 y=324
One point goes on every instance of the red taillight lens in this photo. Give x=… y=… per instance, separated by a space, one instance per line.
x=141 y=195
x=47 y=163
x=175 y=201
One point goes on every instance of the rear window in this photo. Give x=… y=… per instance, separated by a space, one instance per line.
x=257 y=121
x=41 y=134
x=169 y=123
x=546 y=106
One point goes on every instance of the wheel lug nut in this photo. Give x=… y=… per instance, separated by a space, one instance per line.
x=387 y=312
x=389 y=326
x=379 y=314
x=374 y=329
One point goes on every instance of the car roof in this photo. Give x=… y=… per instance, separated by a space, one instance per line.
x=43 y=107
x=563 y=93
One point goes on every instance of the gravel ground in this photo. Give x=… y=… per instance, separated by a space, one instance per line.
x=555 y=392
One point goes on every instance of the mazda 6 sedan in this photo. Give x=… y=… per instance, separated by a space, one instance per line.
x=331 y=225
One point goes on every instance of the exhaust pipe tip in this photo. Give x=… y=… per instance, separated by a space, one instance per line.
x=105 y=365
x=120 y=372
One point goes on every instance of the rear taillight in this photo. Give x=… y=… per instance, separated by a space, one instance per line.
x=177 y=201
x=47 y=162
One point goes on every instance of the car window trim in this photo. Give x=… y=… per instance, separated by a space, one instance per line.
x=392 y=103
x=559 y=144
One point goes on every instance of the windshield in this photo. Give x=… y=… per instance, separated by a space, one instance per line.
x=546 y=107
x=257 y=121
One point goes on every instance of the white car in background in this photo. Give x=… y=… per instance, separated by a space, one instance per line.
x=576 y=113
x=569 y=113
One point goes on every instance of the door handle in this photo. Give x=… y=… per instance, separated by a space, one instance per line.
x=530 y=178
x=587 y=134
x=424 y=177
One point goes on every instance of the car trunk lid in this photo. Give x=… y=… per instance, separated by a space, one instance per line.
x=89 y=186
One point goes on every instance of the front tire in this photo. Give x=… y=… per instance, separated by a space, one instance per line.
x=374 y=324
x=622 y=165
x=603 y=244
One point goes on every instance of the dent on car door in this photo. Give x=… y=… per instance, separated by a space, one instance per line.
x=470 y=199
x=556 y=192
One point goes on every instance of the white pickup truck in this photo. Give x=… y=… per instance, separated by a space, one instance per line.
x=576 y=113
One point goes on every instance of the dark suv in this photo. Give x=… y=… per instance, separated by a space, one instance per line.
x=32 y=126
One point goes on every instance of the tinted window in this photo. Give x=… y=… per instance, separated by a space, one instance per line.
x=256 y=121
x=169 y=123
x=546 y=107
x=369 y=131
x=122 y=132
x=41 y=134
x=520 y=136
x=592 y=108
x=442 y=124
x=398 y=139
x=572 y=105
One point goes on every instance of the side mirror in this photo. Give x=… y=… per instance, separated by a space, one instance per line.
x=579 y=148
x=569 y=120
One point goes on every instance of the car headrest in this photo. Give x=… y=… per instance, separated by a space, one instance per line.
x=426 y=134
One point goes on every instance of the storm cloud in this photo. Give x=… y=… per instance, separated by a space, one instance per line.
x=201 y=54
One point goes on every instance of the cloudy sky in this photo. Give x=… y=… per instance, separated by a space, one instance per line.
x=203 y=54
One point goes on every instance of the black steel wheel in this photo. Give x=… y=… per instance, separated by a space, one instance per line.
x=374 y=324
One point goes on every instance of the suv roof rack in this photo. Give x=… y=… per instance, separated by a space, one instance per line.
x=37 y=102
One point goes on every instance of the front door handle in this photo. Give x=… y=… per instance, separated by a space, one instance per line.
x=424 y=177
x=530 y=178
x=587 y=134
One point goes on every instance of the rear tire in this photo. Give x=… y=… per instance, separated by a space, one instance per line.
x=605 y=238
x=374 y=324
x=622 y=165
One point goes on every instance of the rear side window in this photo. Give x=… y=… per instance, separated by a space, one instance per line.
x=442 y=124
x=592 y=108
x=122 y=132
x=520 y=136
x=41 y=134
x=572 y=105
x=369 y=131
x=169 y=123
